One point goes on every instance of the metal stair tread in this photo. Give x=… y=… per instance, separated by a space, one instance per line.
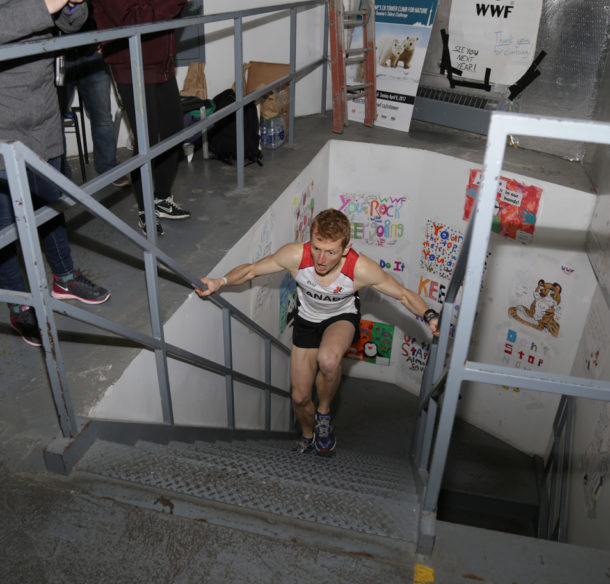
x=296 y=468
x=344 y=462
x=337 y=507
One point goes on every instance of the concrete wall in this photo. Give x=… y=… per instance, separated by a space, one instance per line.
x=589 y=495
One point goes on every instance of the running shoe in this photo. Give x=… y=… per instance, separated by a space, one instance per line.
x=323 y=435
x=303 y=445
x=26 y=324
x=79 y=287
x=142 y=224
x=167 y=209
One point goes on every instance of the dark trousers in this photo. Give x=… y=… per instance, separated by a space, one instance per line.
x=164 y=119
x=53 y=233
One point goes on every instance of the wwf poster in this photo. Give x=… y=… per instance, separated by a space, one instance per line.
x=402 y=33
x=496 y=34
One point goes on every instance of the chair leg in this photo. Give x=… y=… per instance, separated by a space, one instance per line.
x=79 y=145
x=83 y=126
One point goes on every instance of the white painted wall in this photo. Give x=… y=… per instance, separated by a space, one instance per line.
x=425 y=187
x=199 y=397
x=589 y=494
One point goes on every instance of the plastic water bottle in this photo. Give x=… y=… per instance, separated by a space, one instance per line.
x=265 y=128
x=273 y=132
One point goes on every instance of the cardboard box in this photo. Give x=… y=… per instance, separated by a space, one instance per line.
x=257 y=74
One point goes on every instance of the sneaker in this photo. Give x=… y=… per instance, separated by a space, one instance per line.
x=323 y=435
x=26 y=324
x=121 y=182
x=303 y=446
x=142 y=224
x=79 y=288
x=167 y=209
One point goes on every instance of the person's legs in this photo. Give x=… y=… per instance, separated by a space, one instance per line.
x=336 y=339
x=93 y=83
x=169 y=120
x=303 y=367
x=53 y=233
x=10 y=269
x=165 y=98
x=126 y=92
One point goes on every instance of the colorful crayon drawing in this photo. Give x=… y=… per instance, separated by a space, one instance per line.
x=544 y=310
x=415 y=353
x=288 y=301
x=303 y=214
x=375 y=344
x=441 y=248
x=516 y=207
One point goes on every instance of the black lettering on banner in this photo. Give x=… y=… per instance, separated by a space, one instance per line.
x=397 y=97
x=494 y=10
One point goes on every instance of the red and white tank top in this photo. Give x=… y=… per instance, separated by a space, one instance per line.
x=317 y=302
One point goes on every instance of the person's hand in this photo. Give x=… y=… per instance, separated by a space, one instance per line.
x=433 y=324
x=54 y=6
x=212 y=285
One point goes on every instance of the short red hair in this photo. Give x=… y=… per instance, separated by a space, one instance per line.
x=331 y=225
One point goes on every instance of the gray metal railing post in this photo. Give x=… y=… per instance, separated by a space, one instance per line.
x=228 y=352
x=239 y=96
x=326 y=60
x=34 y=265
x=150 y=263
x=293 y=68
x=268 y=381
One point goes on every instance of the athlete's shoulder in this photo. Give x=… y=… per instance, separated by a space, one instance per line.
x=289 y=255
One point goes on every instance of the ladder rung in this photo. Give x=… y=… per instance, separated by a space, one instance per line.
x=355 y=13
x=357 y=51
x=353 y=60
x=353 y=88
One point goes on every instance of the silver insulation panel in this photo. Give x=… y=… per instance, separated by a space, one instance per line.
x=574 y=36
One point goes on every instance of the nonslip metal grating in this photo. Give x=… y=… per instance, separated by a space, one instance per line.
x=311 y=488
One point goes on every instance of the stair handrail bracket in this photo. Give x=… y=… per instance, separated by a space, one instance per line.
x=435 y=423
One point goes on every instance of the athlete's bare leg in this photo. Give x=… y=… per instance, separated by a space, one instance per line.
x=303 y=367
x=335 y=341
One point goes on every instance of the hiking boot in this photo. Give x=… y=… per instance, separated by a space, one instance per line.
x=142 y=224
x=26 y=324
x=323 y=435
x=303 y=445
x=79 y=287
x=167 y=209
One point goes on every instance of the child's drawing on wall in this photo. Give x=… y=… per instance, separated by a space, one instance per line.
x=542 y=313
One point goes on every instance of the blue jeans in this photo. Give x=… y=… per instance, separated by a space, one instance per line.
x=88 y=74
x=53 y=234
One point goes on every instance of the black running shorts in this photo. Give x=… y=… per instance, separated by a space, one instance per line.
x=308 y=335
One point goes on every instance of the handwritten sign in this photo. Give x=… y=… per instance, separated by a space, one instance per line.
x=495 y=34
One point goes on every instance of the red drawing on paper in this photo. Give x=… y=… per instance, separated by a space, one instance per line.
x=515 y=210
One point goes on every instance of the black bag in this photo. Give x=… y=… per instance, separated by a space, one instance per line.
x=222 y=135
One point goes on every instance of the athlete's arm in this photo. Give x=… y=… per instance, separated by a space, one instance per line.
x=369 y=273
x=287 y=257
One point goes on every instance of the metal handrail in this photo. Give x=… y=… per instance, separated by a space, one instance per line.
x=435 y=424
x=552 y=521
x=18 y=158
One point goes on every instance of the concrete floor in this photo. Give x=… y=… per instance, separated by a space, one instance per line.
x=55 y=532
